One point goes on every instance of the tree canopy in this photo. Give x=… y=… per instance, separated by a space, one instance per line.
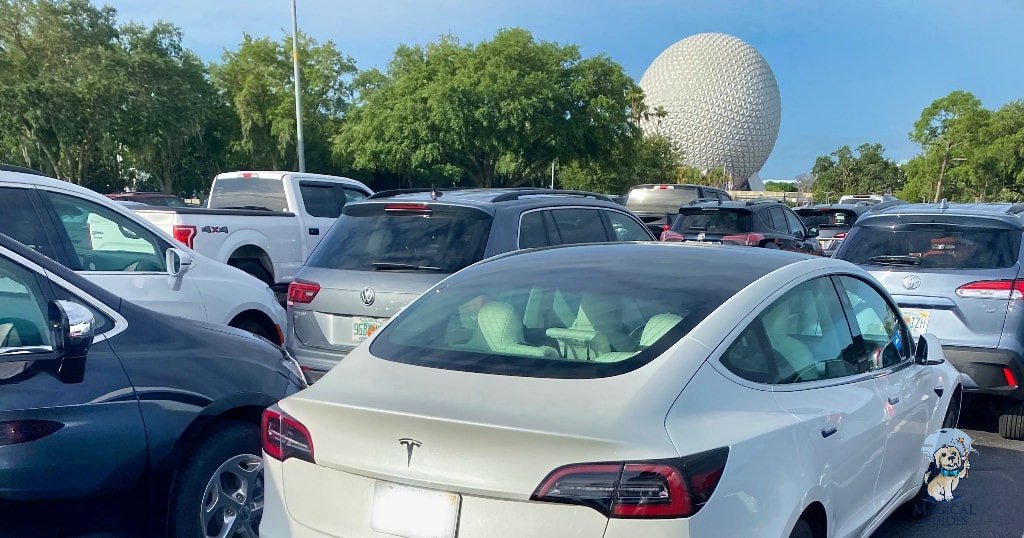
x=845 y=172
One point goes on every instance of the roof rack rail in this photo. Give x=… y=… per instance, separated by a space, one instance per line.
x=764 y=201
x=21 y=169
x=1016 y=208
x=519 y=193
x=416 y=190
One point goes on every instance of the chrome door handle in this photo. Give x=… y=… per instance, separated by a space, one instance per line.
x=894 y=401
x=828 y=432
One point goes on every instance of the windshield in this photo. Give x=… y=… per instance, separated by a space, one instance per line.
x=369 y=239
x=712 y=221
x=932 y=246
x=514 y=317
x=827 y=218
x=248 y=193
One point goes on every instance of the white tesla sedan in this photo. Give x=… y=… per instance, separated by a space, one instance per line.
x=618 y=390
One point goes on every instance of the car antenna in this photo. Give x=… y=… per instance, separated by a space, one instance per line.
x=433 y=193
x=944 y=204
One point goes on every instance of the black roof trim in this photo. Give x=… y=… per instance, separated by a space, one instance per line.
x=417 y=190
x=21 y=169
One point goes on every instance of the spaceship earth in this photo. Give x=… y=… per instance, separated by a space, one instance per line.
x=722 y=103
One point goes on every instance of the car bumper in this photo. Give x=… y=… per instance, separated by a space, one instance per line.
x=986 y=366
x=316 y=362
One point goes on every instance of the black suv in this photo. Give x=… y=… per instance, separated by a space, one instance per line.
x=658 y=204
x=754 y=223
x=384 y=251
x=834 y=221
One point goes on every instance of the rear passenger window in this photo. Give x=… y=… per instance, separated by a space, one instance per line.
x=579 y=226
x=803 y=336
x=778 y=219
x=536 y=230
x=22 y=223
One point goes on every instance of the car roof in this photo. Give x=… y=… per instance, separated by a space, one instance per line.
x=1005 y=212
x=487 y=198
x=115 y=195
x=859 y=208
x=731 y=204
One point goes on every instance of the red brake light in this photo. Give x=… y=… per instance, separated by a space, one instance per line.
x=662 y=186
x=284 y=437
x=1011 y=380
x=643 y=489
x=669 y=235
x=408 y=208
x=754 y=240
x=302 y=292
x=840 y=235
x=992 y=289
x=184 y=234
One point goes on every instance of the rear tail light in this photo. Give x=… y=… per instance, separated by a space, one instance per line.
x=302 y=292
x=13 y=432
x=1011 y=380
x=669 y=235
x=992 y=289
x=284 y=437
x=419 y=209
x=638 y=490
x=184 y=234
x=840 y=235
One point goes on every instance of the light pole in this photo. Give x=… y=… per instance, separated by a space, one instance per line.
x=298 y=93
x=828 y=197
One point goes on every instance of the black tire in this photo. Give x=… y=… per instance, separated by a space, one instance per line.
x=802 y=529
x=1011 y=421
x=255 y=269
x=952 y=416
x=225 y=472
x=258 y=328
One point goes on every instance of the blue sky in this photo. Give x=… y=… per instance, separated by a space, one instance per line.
x=849 y=71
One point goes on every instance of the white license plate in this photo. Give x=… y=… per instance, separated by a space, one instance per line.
x=917 y=321
x=414 y=512
x=363 y=328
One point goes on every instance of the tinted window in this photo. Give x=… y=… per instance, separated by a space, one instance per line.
x=518 y=317
x=802 y=336
x=626 y=228
x=886 y=340
x=248 y=193
x=932 y=245
x=22 y=223
x=537 y=230
x=578 y=226
x=777 y=219
x=712 y=221
x=351 y=195
x=793 y=221
x=369 y=239
x=22 y=308
x=827 y=218
x=321 y=200
x=104 y=240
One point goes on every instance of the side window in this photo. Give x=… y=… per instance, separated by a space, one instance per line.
x=22 y=223
x=793 y=220
x=579 y=226
x=319 y=200
x=105 y=240
x=778 y=219
x=536 y=230
x=886 y=341
x=803 y=336
x=22 y=313
x=626 y=228
x=352 y=195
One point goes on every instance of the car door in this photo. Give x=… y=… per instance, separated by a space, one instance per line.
x=120 y=255
x=908 y=389
x=797 y=231
x=72 y=438
x=808 y=360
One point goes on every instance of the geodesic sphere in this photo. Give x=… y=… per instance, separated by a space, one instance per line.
x=722 y=103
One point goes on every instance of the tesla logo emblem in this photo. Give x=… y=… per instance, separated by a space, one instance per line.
x=912 y=282
x=410 y=445
x=367 y=296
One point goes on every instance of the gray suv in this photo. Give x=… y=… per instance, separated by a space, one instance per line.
x=385 y=251
x=955 y=271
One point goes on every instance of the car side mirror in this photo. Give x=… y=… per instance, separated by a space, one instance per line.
x=812 y=232
x=71 y=330
x=178 y=261
x=924 y=354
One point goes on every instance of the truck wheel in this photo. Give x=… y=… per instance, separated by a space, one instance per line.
x=254 y=268
x=1011 y=421
x=255 y=326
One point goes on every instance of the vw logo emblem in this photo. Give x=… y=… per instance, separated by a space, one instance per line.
x=367 y=296
x=912 y=282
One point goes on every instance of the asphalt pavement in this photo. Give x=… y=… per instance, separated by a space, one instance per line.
x=990 y=501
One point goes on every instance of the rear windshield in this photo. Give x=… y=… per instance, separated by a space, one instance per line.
x=366 y=238
x=932 y=246
x=248 y=193
x=660 y=200
x=713 y=221
x=517 y=318
x=827 y=218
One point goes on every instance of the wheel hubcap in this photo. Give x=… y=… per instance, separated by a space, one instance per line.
x=233 y=500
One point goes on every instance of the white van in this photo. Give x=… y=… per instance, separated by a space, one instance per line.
x=115 y=248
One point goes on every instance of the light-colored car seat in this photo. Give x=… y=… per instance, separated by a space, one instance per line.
x=500 y=329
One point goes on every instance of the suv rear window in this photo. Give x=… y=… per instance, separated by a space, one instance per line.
x=517 y=317
x=932 y=245
x=367 y=237
x=713 y=221
x=827 y=218
x=248 y=193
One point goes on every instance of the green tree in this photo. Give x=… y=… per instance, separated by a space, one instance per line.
x=780 y=186
x=645 y=159
x=496 y=113
x=257 y=81
x=947 y=131
x=846 y=172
